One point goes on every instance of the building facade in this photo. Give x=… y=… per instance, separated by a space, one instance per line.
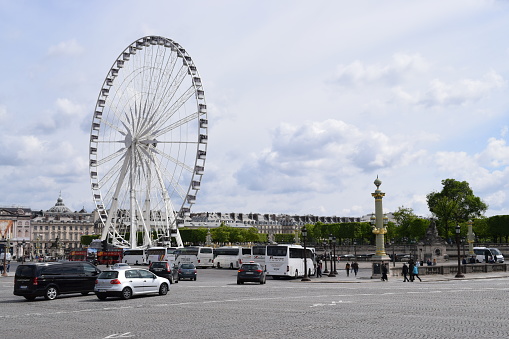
x=58 y=230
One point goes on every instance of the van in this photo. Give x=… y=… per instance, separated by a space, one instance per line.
x=51 y=279
x=481 y=253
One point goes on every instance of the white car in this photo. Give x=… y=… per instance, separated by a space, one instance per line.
x=127 y=282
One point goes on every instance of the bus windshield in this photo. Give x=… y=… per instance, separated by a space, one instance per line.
x=226 y=251
x=277 y=251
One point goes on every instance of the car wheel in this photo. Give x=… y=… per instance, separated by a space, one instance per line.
x=51 y=293
x=101 y=296
x=163 y=289
x=231 y=266
x=126 y=293
x=30 y=297
x=218 y=265
x=176 y=280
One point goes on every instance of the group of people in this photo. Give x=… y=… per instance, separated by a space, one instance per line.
x=349 y=268
x=411 y=270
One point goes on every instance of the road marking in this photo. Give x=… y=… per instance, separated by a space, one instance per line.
x=118 y=335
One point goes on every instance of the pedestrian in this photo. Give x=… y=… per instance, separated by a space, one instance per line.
x=319 y=269
x=8 y=266
x=355 y=267
x=416 y=273
x=347 y=268
x=1 y=268
x=384 y=272
x=411 y=266
x=404 y=271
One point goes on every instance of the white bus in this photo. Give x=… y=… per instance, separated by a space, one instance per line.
x=201 y=257
x=161 y=254
x=258 y=253
x=288 y=261
x=134 y=256
x=231 y=256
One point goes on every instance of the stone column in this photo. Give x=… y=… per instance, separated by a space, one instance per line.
x=379 y=227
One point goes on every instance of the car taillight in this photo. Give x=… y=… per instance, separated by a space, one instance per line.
x=195 y=271
x=241 y=270
x=198 y=261
x=167 y=266
x=35 y=281
x=115 y=282
x=259 y=271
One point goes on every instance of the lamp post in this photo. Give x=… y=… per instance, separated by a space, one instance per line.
x=335 y=258
x=325 y=257
x=355 y=249
x=331 y=274
x=304 y=235
x=470 y=239
x=23 y=243
x=393 y=254
x=458 y=230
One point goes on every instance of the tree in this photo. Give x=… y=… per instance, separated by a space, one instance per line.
x=456 y=203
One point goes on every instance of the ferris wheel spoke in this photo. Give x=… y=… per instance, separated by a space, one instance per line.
x=112 y=156
x=176 y=124
x=173 y=160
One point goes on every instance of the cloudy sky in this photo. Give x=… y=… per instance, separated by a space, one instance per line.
x=308 y=101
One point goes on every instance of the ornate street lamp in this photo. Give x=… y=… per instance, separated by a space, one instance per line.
x=331 y=274
x=325 y=257
x=458 y=230
x=335 y=258
x=304 y=235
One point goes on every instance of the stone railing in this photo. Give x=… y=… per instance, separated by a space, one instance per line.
x=469 y=268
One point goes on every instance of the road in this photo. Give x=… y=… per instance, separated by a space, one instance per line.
x=214 y=306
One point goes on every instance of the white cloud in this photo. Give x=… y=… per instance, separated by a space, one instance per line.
x=66 y=48
x=401 y=66
x=461 y=92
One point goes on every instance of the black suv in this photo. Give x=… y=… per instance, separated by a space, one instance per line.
x=252 y=271
x=51 y=279
x=164 y=269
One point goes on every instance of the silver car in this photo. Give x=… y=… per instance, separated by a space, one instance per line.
x=127 y=282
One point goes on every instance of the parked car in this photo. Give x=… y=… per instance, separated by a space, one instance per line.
x=128 y=282
x=166 y=270
x=51 y=279
x=187 y=271
x=251 y=272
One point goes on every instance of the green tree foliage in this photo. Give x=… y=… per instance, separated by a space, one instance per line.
x=498 y=227
x=284 y=238
x=455 y=204
x=87 y=239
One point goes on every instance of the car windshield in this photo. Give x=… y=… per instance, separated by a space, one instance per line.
x=158 y=265
x=108 y=275
x=187 y=266
x=249 y=267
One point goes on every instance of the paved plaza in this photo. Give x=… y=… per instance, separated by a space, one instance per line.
x=214 y=306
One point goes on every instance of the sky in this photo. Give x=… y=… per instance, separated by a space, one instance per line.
x=308 y=101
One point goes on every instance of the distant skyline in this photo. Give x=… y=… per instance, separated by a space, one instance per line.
x=307 y=101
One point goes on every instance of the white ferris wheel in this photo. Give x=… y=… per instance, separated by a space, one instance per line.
x=148 y=143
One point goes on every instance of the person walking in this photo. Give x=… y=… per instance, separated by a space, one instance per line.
x=355 y=267
x=416 y=273
x=319 y=269
x=384 y=272
x=404 y=271
x=411 y=266
x=347 y=268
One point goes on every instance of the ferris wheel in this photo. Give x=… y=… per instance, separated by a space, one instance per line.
x=148 y=143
